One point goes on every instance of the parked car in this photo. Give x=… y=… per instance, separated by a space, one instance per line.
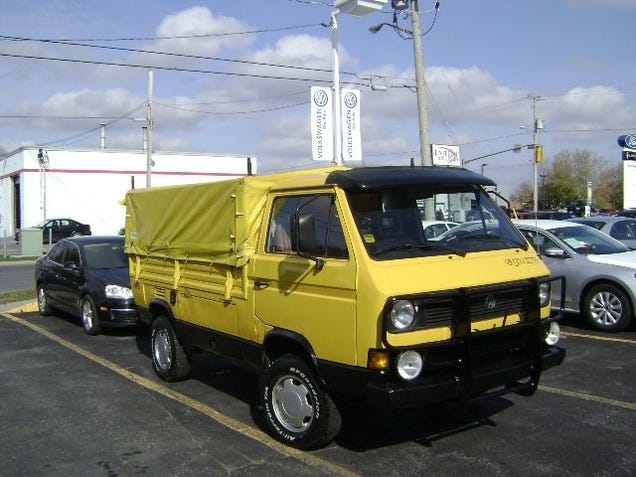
x=56 y=229
x=433 y=228
x=544 y=214
x=87 y=277
x=599 y=270
x=622 y=229
x=627 y=213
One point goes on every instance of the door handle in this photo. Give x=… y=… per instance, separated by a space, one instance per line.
x=261 y=284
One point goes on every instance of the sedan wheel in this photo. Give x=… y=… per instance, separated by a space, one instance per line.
x=607 y=308
x=43 y=302
x=90 y=320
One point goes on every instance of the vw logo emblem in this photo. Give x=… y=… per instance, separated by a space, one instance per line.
x=350 y=100
x=491 y=302
x=630 y=141
x=321 y=98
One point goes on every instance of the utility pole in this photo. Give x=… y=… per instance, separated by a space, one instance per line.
x=149 y=130
x=420 y=81
x=538 y=150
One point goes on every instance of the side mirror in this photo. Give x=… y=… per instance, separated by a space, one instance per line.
x=303 y=237
x=71 y=266
x=554 y=252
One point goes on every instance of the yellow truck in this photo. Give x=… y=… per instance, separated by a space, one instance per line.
x=332 y=286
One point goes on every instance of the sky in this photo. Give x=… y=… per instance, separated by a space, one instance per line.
x=234 y=78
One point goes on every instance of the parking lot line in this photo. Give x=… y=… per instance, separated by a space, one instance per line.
x=229 y=422
x=598 y=338
x=589 y=397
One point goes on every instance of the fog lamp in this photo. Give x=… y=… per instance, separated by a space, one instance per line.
x=409 y=365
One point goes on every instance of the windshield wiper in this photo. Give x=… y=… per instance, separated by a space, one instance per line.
x=421 y=246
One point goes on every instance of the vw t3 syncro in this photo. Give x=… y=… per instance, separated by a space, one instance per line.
x=323 y=282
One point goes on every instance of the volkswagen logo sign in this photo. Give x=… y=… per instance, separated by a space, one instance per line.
x=350 y=100
x=321 y=98
x=491 y=302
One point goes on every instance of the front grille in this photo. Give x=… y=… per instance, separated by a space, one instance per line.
x=475 y=304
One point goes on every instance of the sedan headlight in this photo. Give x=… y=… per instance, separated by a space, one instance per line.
x=402 y=314
x=409 y=365
x=117 y=291
x=544 y=293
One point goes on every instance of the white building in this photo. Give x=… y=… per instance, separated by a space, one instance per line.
x=88 y=185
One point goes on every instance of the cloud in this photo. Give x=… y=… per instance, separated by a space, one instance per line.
x=194 y=22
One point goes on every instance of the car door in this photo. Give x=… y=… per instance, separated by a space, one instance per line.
x=560 y=261
x=51 y=274
x=292 y=292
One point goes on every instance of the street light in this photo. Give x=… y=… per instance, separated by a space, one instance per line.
x=420 y=81
x=353 y=7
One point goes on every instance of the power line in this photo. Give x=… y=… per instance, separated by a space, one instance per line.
x=176 y=37
x=172 y=68
x=178 y=55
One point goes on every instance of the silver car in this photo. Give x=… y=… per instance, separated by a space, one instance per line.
x=599 y=271
x=622 y=229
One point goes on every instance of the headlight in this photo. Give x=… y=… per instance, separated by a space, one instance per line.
x=552 y=333
x=402 y=314
x=409 y=365
x=117 y=291
x=544 y=293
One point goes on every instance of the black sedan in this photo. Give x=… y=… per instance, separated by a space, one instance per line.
x=88 y=278
x=56 y=229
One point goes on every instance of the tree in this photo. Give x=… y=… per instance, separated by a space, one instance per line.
x=566 y=181
x=608 y=194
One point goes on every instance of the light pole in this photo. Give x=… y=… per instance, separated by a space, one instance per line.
x=482 y=168
x=353 y=7
x=420 y=80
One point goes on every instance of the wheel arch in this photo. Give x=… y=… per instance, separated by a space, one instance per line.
x=279 y=342
x=158 y=308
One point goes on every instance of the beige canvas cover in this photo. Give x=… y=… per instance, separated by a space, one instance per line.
x=214 y=221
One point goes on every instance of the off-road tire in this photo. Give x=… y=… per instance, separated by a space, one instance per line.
x=169 y=360
x=296 y=409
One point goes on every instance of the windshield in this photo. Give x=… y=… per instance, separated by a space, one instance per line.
x=105 y=255
x=405 y=222
x=588 y=241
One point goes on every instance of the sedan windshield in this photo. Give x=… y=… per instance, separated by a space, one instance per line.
x=392 y=222
x=105 y=255
x=588 y=241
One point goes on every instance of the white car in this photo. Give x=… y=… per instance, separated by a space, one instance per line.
x=434 y=228
x=599 y=271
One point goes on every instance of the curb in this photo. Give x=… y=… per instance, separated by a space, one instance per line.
x=22 y=307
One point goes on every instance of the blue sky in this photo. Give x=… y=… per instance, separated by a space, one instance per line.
x=483 y=61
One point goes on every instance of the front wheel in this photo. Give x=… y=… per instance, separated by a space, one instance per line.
x=297 y=411
x=169 y=360
x=43 y=302
x=90 y=319
x=607 y=308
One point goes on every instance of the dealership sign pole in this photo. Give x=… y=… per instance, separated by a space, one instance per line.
x=628 y=144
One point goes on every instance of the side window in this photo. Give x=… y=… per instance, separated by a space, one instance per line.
x=540 y=242
x=72 y=255
x=328 y=234
x=57 y=253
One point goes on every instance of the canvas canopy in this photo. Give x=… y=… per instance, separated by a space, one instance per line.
x=216 y=221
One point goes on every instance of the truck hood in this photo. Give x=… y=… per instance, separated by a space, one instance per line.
x=450 y=272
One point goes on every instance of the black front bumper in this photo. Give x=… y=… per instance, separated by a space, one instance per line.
x=522 y=378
